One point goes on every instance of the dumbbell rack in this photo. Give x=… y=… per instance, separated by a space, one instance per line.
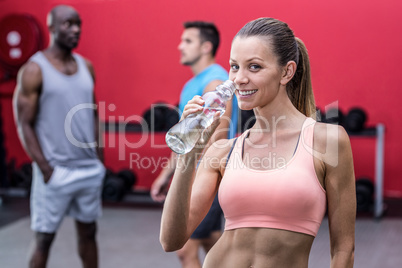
x=378 y=131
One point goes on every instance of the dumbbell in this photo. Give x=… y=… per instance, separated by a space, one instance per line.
x=154 y=117
x=319 y=115
x=113 y=187
x=355 y=120
x=333 y=116
x=171 y=118
x=364 y=194
x=128 y=177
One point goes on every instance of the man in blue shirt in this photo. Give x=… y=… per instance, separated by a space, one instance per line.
x=198 y=46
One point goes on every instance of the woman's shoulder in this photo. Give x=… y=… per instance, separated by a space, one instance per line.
x=221 y=147
x=217 y=154
x=324 y=132
x=330 y=140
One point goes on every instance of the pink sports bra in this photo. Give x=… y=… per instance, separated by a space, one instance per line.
x=290 y=198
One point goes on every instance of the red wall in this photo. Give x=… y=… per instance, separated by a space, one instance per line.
x=354 y=48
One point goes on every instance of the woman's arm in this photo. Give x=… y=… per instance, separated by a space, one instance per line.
x=341 y=195
x=175 y=215
x=187 y=204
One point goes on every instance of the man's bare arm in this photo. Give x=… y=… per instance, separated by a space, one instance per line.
x=26 y=104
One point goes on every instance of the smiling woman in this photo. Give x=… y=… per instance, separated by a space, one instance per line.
x=273 y=211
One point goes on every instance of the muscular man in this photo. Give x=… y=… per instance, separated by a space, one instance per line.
x=54 y=110
x=198 y=46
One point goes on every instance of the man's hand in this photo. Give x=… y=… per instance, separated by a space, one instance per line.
x=160 y=188
x=47 y=173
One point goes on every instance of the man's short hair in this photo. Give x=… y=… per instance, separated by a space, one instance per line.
x=208 y=32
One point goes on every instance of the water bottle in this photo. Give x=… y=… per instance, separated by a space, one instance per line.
x=183 y=136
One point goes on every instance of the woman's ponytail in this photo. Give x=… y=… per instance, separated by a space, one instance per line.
x=299 y=89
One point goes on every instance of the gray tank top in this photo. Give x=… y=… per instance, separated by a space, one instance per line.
x=65 y=120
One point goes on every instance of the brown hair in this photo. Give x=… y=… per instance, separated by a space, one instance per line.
x=208 y=32
x=287 y=48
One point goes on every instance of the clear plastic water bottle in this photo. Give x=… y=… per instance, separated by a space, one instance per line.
x=183 y=136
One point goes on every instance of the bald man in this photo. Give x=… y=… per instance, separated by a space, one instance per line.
x=57 y=123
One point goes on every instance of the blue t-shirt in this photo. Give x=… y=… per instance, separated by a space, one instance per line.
x=196 y=86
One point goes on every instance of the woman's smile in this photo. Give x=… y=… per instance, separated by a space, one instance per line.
x=246 y=92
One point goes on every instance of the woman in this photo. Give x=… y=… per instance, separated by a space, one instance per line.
x=281 y=175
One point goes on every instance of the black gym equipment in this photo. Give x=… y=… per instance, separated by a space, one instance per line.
x=128 y=177
x=160 y=117
x=153 y=117
x=171 y=118
x=116 y=185
x=113 y=187
x=355 y=120
x=21 y=177
x=333 y=116
x=21 y=36
x=319 y=115
x=364 y=194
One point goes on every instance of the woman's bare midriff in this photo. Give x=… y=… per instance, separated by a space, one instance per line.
x=260 y=248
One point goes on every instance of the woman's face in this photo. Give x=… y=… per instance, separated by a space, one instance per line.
x=255 y=70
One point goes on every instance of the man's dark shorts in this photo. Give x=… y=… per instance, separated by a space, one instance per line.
x=212 y=222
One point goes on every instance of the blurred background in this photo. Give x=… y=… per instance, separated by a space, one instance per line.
x=355 y=55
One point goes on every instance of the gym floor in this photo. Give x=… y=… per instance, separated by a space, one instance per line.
x=129 y=230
